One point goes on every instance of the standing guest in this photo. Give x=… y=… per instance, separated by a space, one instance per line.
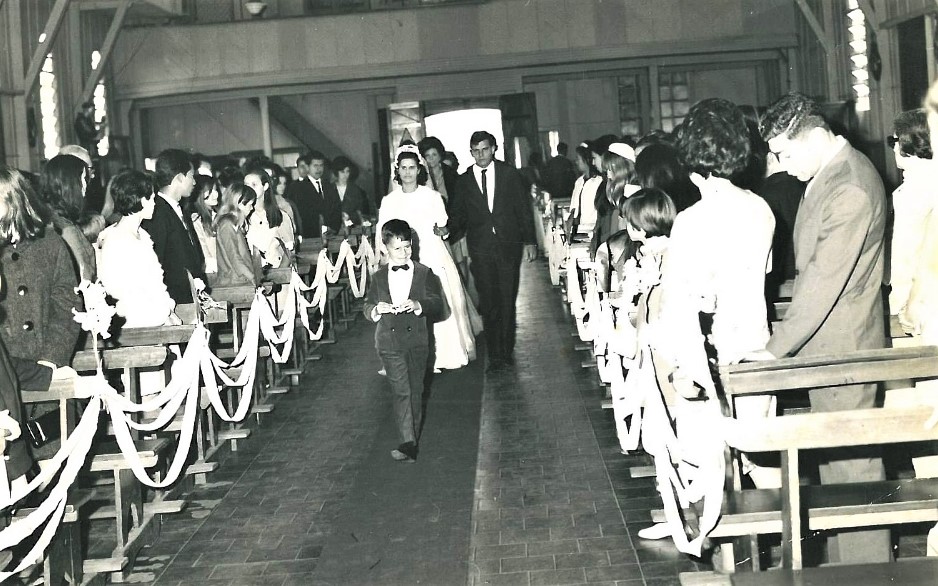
x=496 y=217
x=62 y=186
x=269 y=229
x=237 y=266
x=659 y=165
x=582 y=206
x=87 y=130
x=280 y=181
x=201 y=207
x=836 y=304
x=38 y=278
x=619 y=165
x=604 y=208
x=174 y=238
x=317 y=199
x=783 y=193
x=559 y=174
x=128 y=267
x=357 y=207
x=403 y=298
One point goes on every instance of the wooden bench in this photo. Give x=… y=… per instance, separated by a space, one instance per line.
x=749 y=513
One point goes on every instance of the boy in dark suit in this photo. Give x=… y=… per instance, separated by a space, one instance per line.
x=404 y=298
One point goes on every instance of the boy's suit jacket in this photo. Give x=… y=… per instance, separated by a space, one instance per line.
x=398 y=332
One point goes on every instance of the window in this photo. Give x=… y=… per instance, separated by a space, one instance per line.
x=630 y=106
x=48 y=109
x=858 y=57
x=674 y=97
x=100 y=105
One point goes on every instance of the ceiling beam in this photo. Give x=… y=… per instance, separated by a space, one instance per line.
x=819 y=31
x=106 y=47
x=49 y=33
x=870 y=14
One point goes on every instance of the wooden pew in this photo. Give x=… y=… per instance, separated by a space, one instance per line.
x=749 y=513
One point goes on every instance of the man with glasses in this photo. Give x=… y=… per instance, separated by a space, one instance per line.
x=836 y=304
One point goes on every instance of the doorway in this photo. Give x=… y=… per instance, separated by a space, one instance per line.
x=454 y=129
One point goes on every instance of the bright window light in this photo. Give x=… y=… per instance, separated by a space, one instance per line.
x=858 y=57
x=48 y=109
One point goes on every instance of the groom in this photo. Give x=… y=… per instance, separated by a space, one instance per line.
x=492 y=209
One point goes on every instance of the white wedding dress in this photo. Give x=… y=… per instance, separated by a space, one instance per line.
x=422 y=209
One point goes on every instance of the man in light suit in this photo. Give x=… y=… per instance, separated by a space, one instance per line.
x=837 y=300
x=495 y=215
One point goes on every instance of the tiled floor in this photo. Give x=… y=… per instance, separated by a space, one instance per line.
x=554 y=502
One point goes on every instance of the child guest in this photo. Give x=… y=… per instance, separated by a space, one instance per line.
x=403 y=297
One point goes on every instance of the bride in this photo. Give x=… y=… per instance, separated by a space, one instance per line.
x=423 y=209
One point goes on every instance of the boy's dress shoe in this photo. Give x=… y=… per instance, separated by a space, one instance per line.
x=406 y=452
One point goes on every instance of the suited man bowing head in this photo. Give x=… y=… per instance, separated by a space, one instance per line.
x=492 y=208
x=836 y=303
x=174 y=239
x=316 y=198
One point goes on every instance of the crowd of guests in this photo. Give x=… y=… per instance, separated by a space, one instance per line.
x=693 y=231
x=155 y=240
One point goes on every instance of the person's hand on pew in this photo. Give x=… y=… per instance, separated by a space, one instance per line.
x=685 y=386
x=758 y=356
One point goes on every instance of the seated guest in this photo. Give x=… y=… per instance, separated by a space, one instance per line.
x=62 y=186
x=38 y=276
x=127 y=265
x=236 y=264
x=356 y=205
x=174 y=238
x=269 y=230
x=201 y=207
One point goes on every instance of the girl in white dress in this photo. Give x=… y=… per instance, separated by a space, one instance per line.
x=423 y=209
x=127 y=265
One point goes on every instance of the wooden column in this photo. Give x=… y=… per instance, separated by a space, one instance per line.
x=50 y=31
x=13 y=100
x=265 y=127
x=106 y=47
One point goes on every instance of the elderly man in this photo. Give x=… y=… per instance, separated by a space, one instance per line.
x=837 y=303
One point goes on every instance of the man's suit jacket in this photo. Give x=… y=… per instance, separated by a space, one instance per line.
x=510 y=223
x=402 y=331
x=838 y=240
x=312 y=205
x=177 y=249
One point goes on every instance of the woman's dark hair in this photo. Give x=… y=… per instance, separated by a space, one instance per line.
x=649 y=209
x=912 y=134
x=431 y=142
x=422 y=174
x=195 y=203
x=60 y=186
x=268 y=198
x=343 y=162
x=128 y=189
x=228 y=175
x=714 y=140
x=26 y=216
x=236 y=194
x=584 y=153
x=659 y=165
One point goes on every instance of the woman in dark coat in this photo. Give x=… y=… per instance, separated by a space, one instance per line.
x=38 y=278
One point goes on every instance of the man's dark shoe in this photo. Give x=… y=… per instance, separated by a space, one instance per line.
x=406 y=452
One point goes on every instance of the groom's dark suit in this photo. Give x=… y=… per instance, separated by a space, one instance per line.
x=316 y=209
x=177 y=248
x=496 y=242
